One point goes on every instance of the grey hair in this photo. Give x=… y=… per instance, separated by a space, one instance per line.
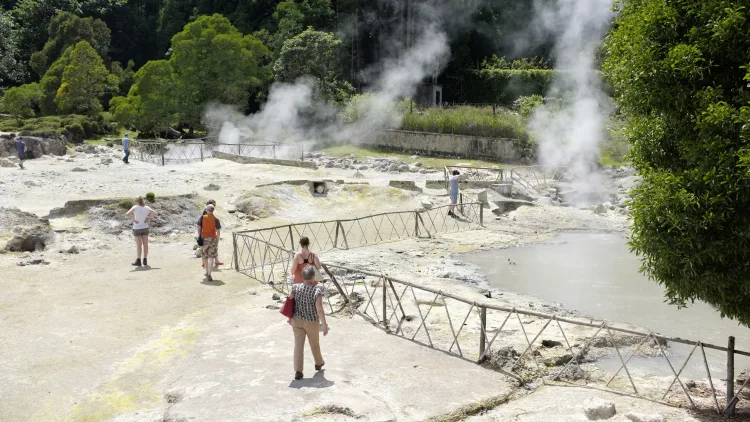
x=308 y=273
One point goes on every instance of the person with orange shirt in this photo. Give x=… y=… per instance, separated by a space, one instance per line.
x=209 y=228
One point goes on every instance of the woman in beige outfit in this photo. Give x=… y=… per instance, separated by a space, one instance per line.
x=308 y=313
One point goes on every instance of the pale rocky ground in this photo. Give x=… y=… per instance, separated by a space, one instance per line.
x=87 y=338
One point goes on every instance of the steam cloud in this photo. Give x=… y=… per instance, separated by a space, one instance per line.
x=293 y=117
x=571 y=136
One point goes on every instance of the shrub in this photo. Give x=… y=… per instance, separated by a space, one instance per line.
x=150 y=197
x=504 y=86
x=126 y=204
x=525 y=105
x=110 y=144
x=76 y=131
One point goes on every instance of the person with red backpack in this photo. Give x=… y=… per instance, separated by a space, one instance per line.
x=304 y=258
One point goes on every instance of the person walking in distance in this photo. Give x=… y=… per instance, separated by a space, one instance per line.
x=21 y=151
x=308 y=314
x=218 y=261
x=140 y=214
x=453 y=186
x=126 y=148
x=209 y=228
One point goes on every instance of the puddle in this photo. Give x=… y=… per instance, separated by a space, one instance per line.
x=595 y=274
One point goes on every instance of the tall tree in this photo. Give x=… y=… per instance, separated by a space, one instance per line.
x=151 y=105
x=11 y=70
x=84 y=81
x=213 y=62
x=680 y=68
x=314 y=54
x=65 y=30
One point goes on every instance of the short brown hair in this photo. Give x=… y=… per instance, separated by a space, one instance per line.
x=304 y=242
x=139 y=201
x=211 y=201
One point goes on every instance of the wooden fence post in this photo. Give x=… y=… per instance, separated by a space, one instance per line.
x=339 y=226
x=483 y=331
x=162 y=158
x=416 y=223
x=291 y=238
x=730 y=377
x=234 y=247
x=385 y=296
x=201 y=145
x=481 y=214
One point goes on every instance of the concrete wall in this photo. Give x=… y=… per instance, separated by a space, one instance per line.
x=252 y=160
x=446 y=144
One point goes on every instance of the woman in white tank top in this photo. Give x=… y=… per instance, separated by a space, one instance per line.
x=140 y=214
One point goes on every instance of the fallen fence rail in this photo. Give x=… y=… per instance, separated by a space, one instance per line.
x=183 y=152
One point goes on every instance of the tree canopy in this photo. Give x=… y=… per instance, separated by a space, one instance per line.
x=20 y=101
x=680 y=69
x=65 y=30
x=84 y=81
x=313 y=54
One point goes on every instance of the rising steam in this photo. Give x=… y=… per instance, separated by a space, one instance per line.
x=569 y=132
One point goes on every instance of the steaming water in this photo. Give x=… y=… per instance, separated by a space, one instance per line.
x=597 y=275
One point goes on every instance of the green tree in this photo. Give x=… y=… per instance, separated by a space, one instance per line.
x=680 y=68
x=151 y=105
x=10 y=69
x=51 y=81
x=84 y=81
x=20 y=101
x=213 y=62
x=313 y=54
x=65 y=30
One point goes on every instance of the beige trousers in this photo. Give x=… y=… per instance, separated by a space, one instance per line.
x=306 y=329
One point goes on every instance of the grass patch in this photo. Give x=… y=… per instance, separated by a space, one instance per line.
x=365 y=153
x=125 y=204
x=472 y=409
x=467 y=120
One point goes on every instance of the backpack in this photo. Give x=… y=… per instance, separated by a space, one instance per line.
x=310 y=261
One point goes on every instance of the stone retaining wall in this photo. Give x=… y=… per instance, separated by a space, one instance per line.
x=425 y=143
x=253 y=160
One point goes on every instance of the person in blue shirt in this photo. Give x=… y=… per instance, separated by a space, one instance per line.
x=21 y=150
x=126 y=148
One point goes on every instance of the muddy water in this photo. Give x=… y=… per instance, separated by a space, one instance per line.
x=597 y=275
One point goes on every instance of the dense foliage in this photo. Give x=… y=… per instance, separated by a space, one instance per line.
x=680 y=68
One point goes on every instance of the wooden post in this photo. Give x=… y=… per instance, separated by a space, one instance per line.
x=336 y=236
x=234 y=247
x=481 y=214
x=162 y=158
x=730 y=377
x=201 y=152
x=343 y=234
x=483 y=331
x=398 y=301
x=416 y=224
x=385 y=296
x=291 y=238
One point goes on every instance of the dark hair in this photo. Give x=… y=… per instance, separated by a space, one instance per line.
x=456 y=173
x=304 y=242
x=211 y=201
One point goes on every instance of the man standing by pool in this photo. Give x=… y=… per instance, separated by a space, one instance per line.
x=453 y=189
x=21 y=150
x=126 y=148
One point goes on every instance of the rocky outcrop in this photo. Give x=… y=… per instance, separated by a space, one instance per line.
x=598 y=409
x=28 y=232
x=39 y=145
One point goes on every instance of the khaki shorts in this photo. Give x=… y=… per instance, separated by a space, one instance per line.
x=140 y=232
x=210 y=247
